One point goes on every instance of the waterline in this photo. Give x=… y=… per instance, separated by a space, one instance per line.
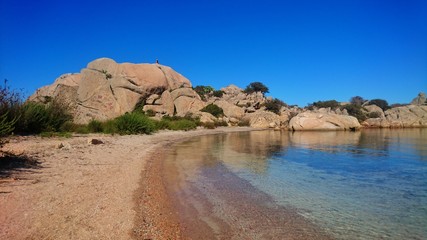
x=363 y=185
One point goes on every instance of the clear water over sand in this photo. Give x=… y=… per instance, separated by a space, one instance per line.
x=353 y=185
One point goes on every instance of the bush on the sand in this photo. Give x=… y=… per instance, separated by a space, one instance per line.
x=95 y=126
x=109 y=127
x=37 y=117
x=182 y=124
x=134 y=123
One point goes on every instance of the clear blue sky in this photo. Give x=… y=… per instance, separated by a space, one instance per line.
x=304 y=51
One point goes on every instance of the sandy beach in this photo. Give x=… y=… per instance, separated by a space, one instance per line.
x=118 y=190
x=83 y=191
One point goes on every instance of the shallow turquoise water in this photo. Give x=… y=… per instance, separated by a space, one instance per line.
x=356 y=185
x=368 y=185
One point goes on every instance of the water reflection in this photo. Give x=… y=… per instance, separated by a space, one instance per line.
x=370 y=183
x=253 y=150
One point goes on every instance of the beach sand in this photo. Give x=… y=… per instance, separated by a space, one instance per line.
x=114 y=190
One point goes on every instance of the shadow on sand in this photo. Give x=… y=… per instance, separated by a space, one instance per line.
x=12 y=165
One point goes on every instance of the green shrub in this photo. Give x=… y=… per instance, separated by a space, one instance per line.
x=10 y=102
x=6 y=126
x=357 y=100
x=162 y=124
x=183 y=124
x=37 y=117
x=221 y=123
x=214 y=110
x=325 y=104
x=109 y=127
x=244 y=123
x=374 y=115
x=68 y=127
x=95 y=126
x=150 y=113
x=203 y=90
x=383 y=104
x=58 y=115
x=355 y=111
x=218 y=93
x=34 y=118
x=82 y=129
x=134 y=123
x=274 y=105
x=209 y=125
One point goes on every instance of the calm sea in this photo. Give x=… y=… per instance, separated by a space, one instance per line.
x=370 y=184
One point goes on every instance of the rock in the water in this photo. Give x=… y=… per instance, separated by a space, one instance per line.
x=323 y=121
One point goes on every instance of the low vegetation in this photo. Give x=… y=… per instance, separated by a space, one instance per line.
x=383 y=104
x=203 y=91
x=274 y=105
x=214 y=110
x=54 y=119
x=355 y=107
x=333 y=104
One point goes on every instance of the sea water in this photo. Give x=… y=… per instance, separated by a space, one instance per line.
x=370 y=184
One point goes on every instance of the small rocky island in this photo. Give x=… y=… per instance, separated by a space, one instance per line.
x=106 y=89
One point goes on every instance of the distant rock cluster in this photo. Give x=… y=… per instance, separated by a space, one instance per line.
x=106 y=89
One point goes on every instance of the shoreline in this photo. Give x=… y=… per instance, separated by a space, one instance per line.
x=79 y=191
x=213 y=208
x=83 y=191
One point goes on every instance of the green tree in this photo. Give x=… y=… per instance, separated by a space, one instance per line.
x=355 y=111
x=357 y=100
x=383 y=104
x=256 y=87
x=203 y=91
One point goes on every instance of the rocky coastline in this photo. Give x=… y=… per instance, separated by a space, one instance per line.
x=106 y=89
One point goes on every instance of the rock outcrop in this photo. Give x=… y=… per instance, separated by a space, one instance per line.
x=413 y=115
x=264 y=119
x=106 y=89
x=323 y=121
x=407 y=116
x=421 y=99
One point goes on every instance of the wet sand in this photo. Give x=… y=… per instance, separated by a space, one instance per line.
x=120 y=190
x=217 y=204
x=82 y=191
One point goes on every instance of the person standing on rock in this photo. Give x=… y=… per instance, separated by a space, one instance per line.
x=157 y=61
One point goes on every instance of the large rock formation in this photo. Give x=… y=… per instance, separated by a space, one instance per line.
x=106 y=89
x=323 y=121
x=413 y=115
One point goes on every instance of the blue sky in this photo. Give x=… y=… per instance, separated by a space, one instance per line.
x=304 y=51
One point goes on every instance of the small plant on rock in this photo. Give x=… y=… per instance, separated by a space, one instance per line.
x=274 y=105
x=214 y=110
